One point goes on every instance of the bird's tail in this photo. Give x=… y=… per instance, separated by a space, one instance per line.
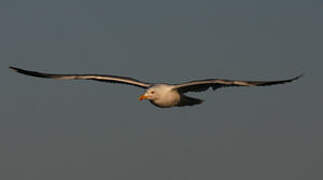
x=189 y=101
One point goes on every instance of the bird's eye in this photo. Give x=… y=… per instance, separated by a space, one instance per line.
x=152 y=92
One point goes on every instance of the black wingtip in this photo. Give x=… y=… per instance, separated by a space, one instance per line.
x=298 y=77
x=29 y=73
x=18 y=70
x=14 y=68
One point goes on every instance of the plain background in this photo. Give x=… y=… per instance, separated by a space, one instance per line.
x=53 y=129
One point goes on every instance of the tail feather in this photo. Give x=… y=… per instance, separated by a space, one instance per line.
x=189 y=101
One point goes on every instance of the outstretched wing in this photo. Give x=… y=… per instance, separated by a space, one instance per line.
x=202 y=85
x=96 y=77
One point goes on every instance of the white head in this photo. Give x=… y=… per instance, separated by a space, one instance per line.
x=156 y=92
x=152 y=93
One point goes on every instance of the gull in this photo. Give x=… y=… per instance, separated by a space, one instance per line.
x=162 y=95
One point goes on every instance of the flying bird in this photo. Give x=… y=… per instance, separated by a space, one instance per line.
x=162 y=95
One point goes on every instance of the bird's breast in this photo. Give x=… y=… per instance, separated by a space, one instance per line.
x=169 y=99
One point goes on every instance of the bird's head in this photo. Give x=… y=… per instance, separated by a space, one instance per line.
x=151 y=94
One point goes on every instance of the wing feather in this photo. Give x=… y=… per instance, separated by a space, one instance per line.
x=96 y=77
x=203 y=85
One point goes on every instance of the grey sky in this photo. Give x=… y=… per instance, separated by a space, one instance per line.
x=53 y=129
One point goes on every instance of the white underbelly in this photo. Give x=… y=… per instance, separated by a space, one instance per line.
x=168 y=100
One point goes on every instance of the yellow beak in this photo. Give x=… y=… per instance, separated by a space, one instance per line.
x=142 y=97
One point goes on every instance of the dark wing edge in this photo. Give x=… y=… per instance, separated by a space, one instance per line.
x=96 y=77
x=202 y=85
x=189 y=101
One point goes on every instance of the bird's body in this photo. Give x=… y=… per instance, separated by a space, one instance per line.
x=161 y=95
